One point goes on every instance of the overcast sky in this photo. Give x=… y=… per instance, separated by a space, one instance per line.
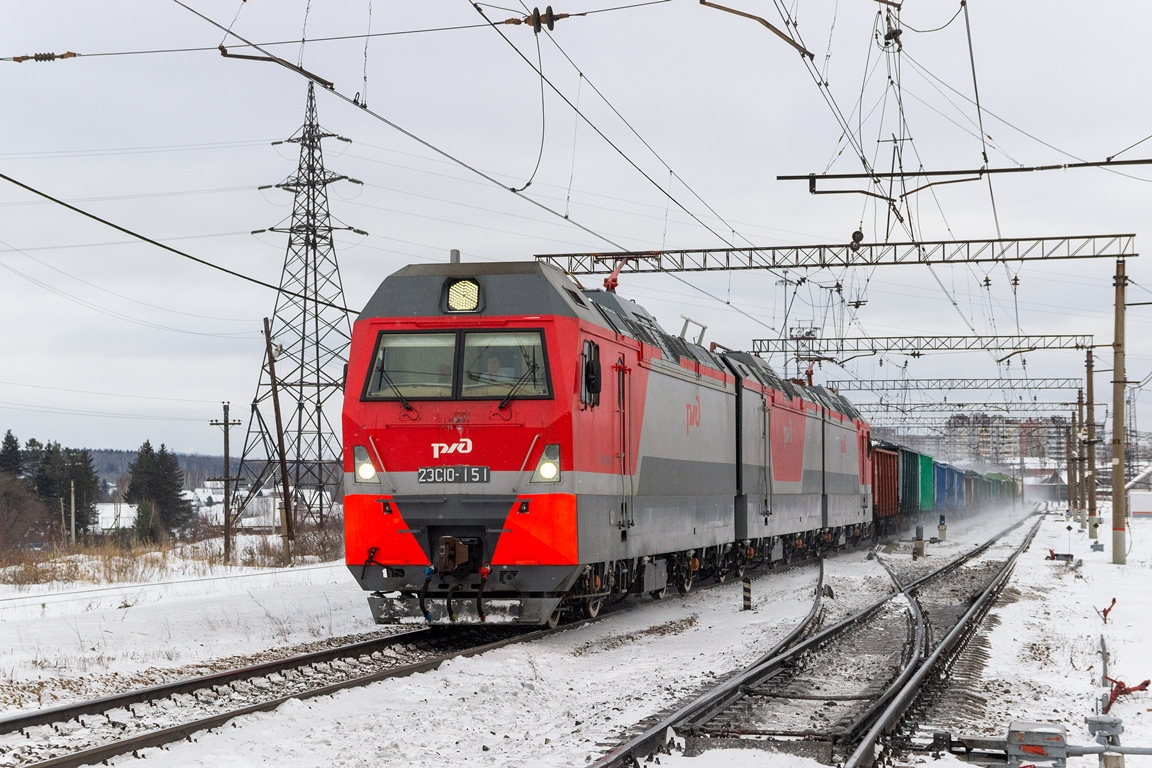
x=108 y=342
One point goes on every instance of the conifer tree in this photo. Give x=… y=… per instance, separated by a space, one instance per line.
x=33 y=454
x=11 y=459
x=56 y=471
x=155 y=483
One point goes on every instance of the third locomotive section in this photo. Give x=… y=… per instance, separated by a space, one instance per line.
x=517 y=447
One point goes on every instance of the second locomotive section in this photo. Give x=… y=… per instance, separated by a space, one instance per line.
x=516 y=446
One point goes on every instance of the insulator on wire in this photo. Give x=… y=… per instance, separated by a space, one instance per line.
x=44 y=57
x=540 y=20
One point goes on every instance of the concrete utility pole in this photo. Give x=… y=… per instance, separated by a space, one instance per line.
x=1071 y=475
x=1119 y=381
x=1081 y=495
x=1090 y=473
x=228 y=480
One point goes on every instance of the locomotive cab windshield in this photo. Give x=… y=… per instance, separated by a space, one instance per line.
x=459 y=365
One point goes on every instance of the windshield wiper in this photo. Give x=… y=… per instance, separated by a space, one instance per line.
x=530 y=372
x=392 y=385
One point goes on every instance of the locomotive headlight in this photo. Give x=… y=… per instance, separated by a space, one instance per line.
x=365 y=472
x=548 y=468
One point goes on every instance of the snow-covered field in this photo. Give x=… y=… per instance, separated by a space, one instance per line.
x=82 y=642
x=568 y=698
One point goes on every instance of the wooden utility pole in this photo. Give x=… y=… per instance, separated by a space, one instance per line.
x=228 y=480
x=1119 y=381
x=73 y=511
x=1090 y=470
x=286 y=527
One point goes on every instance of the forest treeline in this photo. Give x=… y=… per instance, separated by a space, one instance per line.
x=39 y=481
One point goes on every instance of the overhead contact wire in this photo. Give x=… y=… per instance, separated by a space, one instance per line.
x=593 y=126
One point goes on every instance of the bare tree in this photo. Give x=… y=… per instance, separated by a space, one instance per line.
x=23 y=516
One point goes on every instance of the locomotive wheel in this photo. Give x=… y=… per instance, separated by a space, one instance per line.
x=721 y=575
x=590 y=608
x=554 y=619
x=684 y=583
x=659 y=594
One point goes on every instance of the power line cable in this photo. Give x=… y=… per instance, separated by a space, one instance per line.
x=935 y=29
x=636 y=133
x=593 y=126
x=162 y=246
x=107 y=394
x=980 y=114
x=543 y=117
x=423 y=142
x=7 y=406
x=113 y=313
x=329 y=39
x=129 y=298
x=367 y=39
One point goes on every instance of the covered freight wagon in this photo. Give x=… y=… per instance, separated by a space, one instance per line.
x=886 y=487
x=927 y=484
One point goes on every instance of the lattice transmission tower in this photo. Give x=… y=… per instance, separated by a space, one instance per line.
x=309 y=346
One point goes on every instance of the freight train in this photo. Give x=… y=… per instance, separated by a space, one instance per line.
x=906 y=485
x=518 y=448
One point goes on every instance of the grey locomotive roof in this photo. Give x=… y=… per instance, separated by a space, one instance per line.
x=506 y=288
x=536 y=288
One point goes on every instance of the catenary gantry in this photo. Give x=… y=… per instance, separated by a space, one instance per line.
x=847 y=255
x=934 y=385
x=915 y=345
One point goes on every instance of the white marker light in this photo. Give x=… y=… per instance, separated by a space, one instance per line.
x=548 y=468
x=365 y=471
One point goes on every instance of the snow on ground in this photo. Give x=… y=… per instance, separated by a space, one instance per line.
x=66 y=644
x=560 y=701
x=552 y=702
x=1046 y=661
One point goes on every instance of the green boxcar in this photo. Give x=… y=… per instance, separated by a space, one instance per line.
x=926 y=483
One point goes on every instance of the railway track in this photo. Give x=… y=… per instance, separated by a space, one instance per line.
x=834 y=693
x=89 y=732
x=92 y=731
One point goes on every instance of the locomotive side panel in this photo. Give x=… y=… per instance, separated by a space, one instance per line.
x=686 y=475
x=847 y=504
x=754 y=518
x=796 y=505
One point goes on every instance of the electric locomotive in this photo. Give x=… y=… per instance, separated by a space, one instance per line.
x=517 y=447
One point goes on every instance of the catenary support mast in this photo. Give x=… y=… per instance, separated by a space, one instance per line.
x=1119 y=381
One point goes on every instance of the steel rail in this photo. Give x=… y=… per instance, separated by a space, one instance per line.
x=708 y=704
x=864 y=755
x=66 y=712
x=168 y=735
x=656 y=737
x=160 y=737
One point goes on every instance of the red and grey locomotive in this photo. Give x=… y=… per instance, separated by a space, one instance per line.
x=516 y=447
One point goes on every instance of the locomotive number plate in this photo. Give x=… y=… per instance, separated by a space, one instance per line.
x=458 y=474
